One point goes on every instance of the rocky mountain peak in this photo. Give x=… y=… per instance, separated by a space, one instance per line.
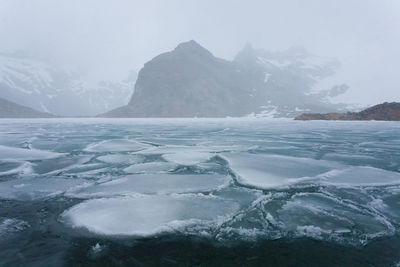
x=192 y=48
x=248 y=55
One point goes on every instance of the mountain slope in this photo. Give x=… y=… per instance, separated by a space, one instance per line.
x=11 y=110
x=39 y=85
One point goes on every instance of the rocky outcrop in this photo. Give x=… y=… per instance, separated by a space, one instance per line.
x=381 y=112
x=11 y=110
x=187 y=82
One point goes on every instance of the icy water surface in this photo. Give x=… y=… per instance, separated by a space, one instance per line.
x=192 y=192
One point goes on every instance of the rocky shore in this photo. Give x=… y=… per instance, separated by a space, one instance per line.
x=382 y=112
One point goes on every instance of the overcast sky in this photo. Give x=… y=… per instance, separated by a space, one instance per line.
x=109 y=38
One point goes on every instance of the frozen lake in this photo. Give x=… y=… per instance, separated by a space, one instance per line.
x=137 y=191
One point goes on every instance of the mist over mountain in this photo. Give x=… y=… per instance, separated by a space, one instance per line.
x=188 y=82
x=31 y=82
x=287 y=82
x=9 y=109
x=191 y=82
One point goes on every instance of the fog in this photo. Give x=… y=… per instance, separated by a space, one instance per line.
x=108 y=39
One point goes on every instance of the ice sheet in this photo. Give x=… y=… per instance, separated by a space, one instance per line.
x=271 y=174
x=15 y=153
x=154 y=184
x=148 y=215
x=58 y=165
x=20 y=168
x=314 y=214
x=121 y=158
x=269 y=171
x=188 y=158
x=361 y=176
x=117 y=145
x=151 y=167
x=36 y=188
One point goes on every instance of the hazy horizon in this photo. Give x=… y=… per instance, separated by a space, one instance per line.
x=107 y=41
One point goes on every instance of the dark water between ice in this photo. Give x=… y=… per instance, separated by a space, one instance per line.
x=199 y=192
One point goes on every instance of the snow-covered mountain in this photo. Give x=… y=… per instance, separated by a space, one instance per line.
x=39 y=85
x=286 y=83
x=190 y=81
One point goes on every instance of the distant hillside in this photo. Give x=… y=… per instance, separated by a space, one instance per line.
x=381 y=112
x=11 y=110
x=191 y=82
x=33 y=83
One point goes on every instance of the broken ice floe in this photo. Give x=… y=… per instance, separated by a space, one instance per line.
x=153 y=184
x=148 y=215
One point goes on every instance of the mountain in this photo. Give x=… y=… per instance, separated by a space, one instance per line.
x=44 y=87
x=191 y=82
x=381 y=112
x=11 y=110
x=187 y=82
x=285 y=82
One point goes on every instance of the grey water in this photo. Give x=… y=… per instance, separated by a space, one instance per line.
x=213 y=192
